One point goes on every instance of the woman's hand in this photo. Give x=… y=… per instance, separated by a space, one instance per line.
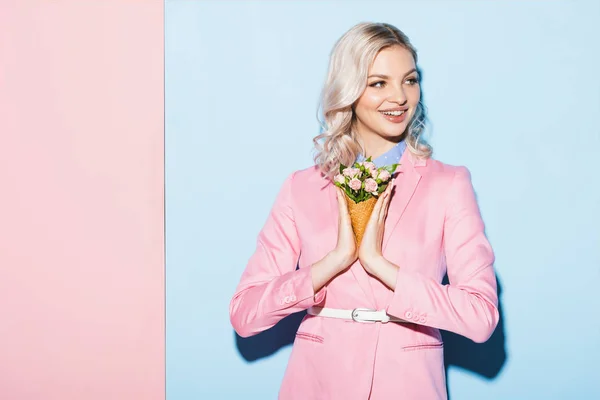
x=345 y=250
x=370 y=248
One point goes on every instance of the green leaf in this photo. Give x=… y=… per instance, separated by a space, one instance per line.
x=342 y=167
x=391 y=168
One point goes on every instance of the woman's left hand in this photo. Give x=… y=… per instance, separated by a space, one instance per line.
x=370 y=250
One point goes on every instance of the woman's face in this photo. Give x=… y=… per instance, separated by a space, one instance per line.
x=389 y=102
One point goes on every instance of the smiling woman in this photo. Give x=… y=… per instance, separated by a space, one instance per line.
x=383 y=295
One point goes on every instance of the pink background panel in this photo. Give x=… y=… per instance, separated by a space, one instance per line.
x=81 y=204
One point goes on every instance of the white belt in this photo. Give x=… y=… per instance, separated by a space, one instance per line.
x=358 y=314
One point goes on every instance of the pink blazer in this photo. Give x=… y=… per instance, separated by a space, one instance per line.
x=433 y=226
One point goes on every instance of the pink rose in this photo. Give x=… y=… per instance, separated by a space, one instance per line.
x=369 y=165
x=384 y=175
x=371 y=185
x=339 y=178
x=351 y=172
x=355 y=184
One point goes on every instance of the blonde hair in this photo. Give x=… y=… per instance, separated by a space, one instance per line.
x=349 y=63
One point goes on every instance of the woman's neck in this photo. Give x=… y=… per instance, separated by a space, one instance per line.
x=375 y=145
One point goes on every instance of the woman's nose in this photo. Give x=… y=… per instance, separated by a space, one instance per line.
x=397 y=95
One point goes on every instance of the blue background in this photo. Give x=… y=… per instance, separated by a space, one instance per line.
x=513 y=93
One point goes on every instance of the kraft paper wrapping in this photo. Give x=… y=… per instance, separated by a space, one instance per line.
x=359 y=215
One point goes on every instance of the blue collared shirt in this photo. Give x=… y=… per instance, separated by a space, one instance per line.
x=392 y=156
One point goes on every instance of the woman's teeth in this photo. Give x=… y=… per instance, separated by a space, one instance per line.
x=392 y=113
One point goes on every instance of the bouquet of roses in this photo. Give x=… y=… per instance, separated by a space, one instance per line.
x=363 y=183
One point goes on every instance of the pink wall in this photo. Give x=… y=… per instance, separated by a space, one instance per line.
x=81 y=200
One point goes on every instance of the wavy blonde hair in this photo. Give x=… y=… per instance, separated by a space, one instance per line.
x=349 y=63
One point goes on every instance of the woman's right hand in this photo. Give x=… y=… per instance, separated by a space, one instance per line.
x=345 y=250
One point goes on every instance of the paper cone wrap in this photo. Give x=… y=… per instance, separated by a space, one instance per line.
x=359 y=215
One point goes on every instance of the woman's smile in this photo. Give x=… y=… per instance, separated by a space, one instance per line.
x=395 y=116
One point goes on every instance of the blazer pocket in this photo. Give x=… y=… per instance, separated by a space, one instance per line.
x=424 y=346
x=309 y=336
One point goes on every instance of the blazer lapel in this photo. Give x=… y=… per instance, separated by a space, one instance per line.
x=405 y=184
x=356 y=269
x=406 y=181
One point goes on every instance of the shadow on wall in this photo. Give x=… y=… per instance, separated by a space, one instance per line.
x=484 y=359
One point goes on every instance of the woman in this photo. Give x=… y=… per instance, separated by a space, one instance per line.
x=374 y=312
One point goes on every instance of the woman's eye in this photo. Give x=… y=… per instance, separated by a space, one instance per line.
x=374 y=84
x=412 y=81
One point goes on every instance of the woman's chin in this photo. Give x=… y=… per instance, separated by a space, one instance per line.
x=392 y=135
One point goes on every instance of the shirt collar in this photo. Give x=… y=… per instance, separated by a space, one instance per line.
x=392 y=156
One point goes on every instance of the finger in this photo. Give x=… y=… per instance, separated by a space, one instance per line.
x=387 y=207
x=386 y=203
x=380 y=201
x=377 y=209
x=390 y=186
x=342 y=199
x=338 y=195
x=342 y=205
x=389 y=189
x=382 y=209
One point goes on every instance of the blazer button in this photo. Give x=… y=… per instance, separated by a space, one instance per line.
x=422 y=320
x=287 y=299
x=415 y=317
x=408 y=315
x=293 y=298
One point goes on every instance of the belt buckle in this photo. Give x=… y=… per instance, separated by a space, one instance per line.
x=356 y=318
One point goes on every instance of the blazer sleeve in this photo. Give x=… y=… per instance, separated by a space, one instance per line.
x=271 y=287
x=468 y=305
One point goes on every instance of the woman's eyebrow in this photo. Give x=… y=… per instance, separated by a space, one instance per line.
x=387 y=77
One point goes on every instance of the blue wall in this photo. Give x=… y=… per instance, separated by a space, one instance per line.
x=513 y=93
